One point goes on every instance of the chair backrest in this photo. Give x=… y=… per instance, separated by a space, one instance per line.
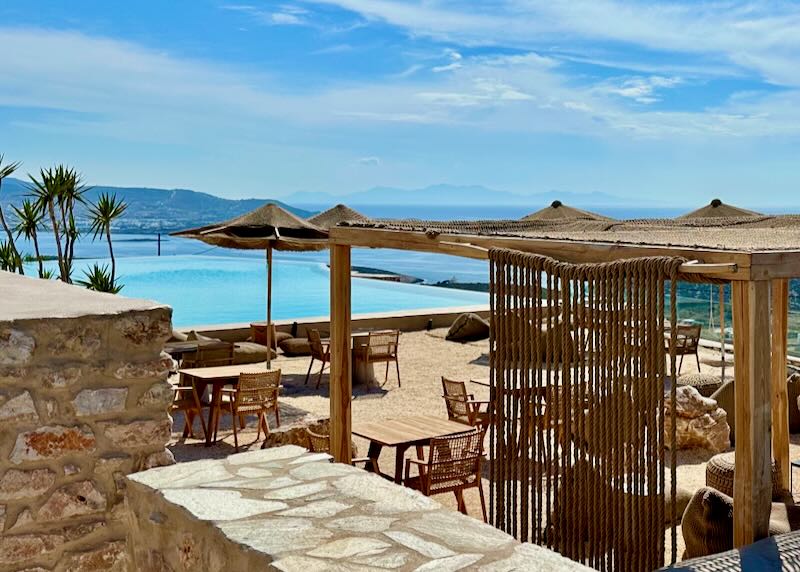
x=455 y=399
x=318 y=443
x=383 y=343
x=258 y=389
x=688 y=336
x=315 y=341
x=454 y=458
x=210 y=355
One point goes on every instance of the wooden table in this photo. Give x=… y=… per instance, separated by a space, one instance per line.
x=416 y=430
x=218 y=377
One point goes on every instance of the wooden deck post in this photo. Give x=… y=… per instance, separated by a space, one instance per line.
x=780 y=397
x=340 y=376
x=752 y=487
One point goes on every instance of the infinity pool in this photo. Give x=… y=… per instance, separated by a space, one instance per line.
x=224 y=289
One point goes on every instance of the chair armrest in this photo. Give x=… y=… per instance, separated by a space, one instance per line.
x=228 y=390
x=182 y=387
x=479 y=402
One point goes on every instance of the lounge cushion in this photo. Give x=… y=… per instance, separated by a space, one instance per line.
x=258 y=334
x=193 y=336
x=707 y=522
x=177 y=336
x=296 y=347
x=250 y=352
x=468 y=327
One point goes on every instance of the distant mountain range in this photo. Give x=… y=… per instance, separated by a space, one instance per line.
x=448 y=195
x=152 y=210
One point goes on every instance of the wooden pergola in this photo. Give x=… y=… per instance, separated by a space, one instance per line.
x=759 y=277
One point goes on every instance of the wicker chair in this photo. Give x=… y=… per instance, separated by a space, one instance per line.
x=453 y=465
x=318 y=443
x=688 y=342
x=319 y=351
x=187 y=401
x=255 y=394
x=462 y=407
x=382 y=347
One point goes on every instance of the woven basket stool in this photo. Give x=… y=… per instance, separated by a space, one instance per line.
x=719 y=475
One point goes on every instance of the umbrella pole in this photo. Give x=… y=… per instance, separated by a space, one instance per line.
x=269 y=306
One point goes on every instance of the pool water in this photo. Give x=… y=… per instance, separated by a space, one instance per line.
x=205 y=290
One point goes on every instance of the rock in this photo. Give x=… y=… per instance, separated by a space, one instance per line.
x=161 y=459
x=25 y=484
x=100 y=401
x=468 y=327
x=82 y=342
x=16 y=347
x=110 y=557
x=18 y=549
x=51 y=442
x=145 y=329
x=699 y=422
x=137 y=434
x=75 y=499
x=690 y=404
x=158 y=396
x=221 y=505
x=158 y=368
x=17 y=409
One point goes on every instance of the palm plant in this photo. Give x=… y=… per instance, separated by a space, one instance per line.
x=103 y=213
x=29 y=217
x=10 y=259
x=7 y=171
x=98 y=278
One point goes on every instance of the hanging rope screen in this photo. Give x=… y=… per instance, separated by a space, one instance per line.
x=581 y=398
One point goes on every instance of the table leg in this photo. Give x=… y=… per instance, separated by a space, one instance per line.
x=398 y=463
x=373 y=453
x=213 y=412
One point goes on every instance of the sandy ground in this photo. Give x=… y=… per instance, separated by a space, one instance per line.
x=424 y=358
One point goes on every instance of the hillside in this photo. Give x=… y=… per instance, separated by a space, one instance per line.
x=157 y=209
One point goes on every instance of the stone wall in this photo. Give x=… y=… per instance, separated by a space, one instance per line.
x=287 y=509
x=83 y=402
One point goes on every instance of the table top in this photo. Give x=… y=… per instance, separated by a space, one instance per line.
x=223 y=372
x=189 y=345
x=412 y=429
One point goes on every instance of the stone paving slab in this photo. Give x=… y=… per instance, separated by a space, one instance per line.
x=286 y=509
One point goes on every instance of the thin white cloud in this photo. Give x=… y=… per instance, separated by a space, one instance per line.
x=369 y=161
x=285 y=15
x=640 y=89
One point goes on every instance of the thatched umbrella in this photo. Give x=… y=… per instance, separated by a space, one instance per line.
x=718 y=209
x=334 y=215
x=558 y=211
x=268 y=227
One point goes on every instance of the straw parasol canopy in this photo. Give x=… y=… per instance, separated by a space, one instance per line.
x=718 y=209
x=335 y=215
x=558 y=211
x=267 y=227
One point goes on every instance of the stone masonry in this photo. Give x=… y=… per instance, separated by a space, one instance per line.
x=287 y=509
x=83 y=402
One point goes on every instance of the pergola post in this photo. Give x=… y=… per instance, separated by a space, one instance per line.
x=340 y=372
x=780 y=397
x=752 y=488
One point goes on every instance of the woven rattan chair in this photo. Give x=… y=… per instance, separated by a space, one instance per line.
x=382 y=347
x=255 y=394
x=187 y=401
x=319 y=351
x=319 y=443
x=210 y=355
x=462 y=407
x=687 y=343
x=453 y=465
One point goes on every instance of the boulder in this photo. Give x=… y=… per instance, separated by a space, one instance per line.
x=699 y=422
x=467 y=328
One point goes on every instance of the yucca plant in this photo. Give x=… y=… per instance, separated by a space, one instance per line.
x=99 y=278
x=10 y=259
x=7 y=171
x=29 y=218
x=103 y=213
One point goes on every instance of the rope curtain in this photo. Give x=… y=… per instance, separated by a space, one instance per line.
x=579 y=375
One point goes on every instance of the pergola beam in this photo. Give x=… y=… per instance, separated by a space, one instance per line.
x=780 y=396
x=752 y=486
x=341 y=385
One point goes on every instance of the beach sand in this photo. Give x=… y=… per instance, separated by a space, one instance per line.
x=424 y=358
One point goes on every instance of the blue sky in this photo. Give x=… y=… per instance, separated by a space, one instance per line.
x=679 y=101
